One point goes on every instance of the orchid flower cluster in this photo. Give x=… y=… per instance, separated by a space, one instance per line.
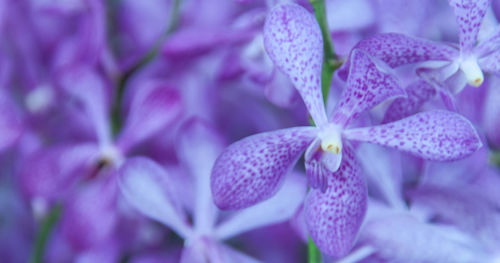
x=201 y=131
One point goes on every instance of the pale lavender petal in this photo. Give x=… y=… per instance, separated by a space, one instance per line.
x=233 y=255
x=194 y=42
x=279 y=90
x=491 y=44
x=491 y=63
x=418 y=93
x=469 y=15
x=277 y=209
x=293 y=40
x=385 y=175
x=367 y=86
x=145 y=185
x=201 y=250
x=89 y=88
x=334 y=217
x=252 y=169
x=491 y=115
x=198 y=146
x=89 y=217
x=436 y=135
x=398 y=50
x=446 y=205
x=154 y=106
x=49 y=172
x=401 y=238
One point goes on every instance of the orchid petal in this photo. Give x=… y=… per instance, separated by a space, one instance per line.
x=418 y=93
x=469 y=15
x=154 y=107
x=449 y=206
x=433 y=135
x=385 y=175
x=252 y=169
x=279 y=90
x=277 y=209
x=404 y=239
x=293 y=40
x=90 y=216
x=398 y=50
x=367 y=86
x=89 y=88
x=198 y=146
x=11 y=126
x=49 y=172
x=233 y=255
x=491 y=44
x=334 y=217
x=491 y=63
x=491 y=117
x=145 y=185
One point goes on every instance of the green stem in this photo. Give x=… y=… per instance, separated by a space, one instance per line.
x=313 y=251
x=330 y=60
x=45 y=229
x=116 y=118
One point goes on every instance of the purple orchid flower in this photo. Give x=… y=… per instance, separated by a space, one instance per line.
x=149 y=188
x=447 y=66
x=252 y=169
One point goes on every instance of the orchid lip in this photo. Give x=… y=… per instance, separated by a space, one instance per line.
x=472 y=71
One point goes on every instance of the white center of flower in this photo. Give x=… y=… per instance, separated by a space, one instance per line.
x=111 y=155
x=472 y=71
x=331 y=139
x=39 y=98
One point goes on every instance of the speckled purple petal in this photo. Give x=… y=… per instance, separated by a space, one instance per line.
x=293 y=40
x=145 y=185
x=398 y=50
x=278 y=208
x=252 y=169
x=418 y=93
x=469 y=15
x=334 y=217
x=491 y=63
x=436 y=135
x=154 y=106
x=367 y=86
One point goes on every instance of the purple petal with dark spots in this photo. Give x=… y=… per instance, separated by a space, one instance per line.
x=469 y=15
x=436 y=135
x=252 y=169
x=367 y=86
x=398 y=50
x=418 y=93
x=293 y=40
x=334 y=217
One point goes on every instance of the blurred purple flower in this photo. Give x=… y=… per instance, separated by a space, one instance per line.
x=149 y=188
